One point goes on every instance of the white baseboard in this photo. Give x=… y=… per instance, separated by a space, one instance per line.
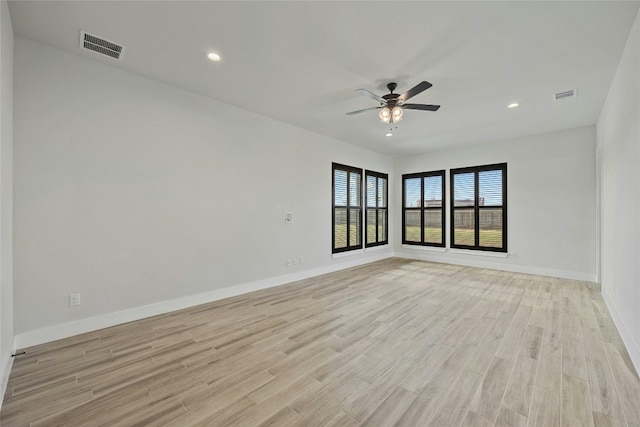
x=64 y=330
x=627 y=337
x=7 y=364
x=482 y=261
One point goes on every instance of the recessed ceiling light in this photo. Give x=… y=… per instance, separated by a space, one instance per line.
x=513 y=105
x=388 y=134
x=214 y=57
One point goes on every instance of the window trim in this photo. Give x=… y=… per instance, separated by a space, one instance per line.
x=348 y=169
x=377 y=175
x=477 y=208
x=422 y=208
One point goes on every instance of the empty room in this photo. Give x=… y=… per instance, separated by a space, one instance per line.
x=319 y=213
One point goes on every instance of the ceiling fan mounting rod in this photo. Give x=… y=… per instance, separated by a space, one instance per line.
x=391 y=98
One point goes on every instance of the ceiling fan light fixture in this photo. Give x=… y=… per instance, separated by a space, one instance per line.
x=396 y=114
x=385 y=115
x=214 y=57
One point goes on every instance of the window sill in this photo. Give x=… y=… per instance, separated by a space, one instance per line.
x=480 y=253
x=359 y=251
x=425 y=248
x=376 y=248
x=347 y=253
x=457 y=251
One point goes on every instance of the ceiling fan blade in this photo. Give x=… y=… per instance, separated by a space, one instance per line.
x=420 y=87
x=372 y=95
x=425 y=107
x=362 y=111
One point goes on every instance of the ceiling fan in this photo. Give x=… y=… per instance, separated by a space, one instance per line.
x=392 y=104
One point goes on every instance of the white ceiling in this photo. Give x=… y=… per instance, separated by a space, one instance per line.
x=300 y=62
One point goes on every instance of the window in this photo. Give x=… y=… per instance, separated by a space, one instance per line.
x=376 y=219
x=347 y=208
x=423 y=209
x=479 y=208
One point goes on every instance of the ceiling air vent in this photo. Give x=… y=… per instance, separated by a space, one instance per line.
x=571 y=93
x=100 y=45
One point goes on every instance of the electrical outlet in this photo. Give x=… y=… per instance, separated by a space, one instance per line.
x=288 y=262
x=295 y=260
x=74 y=299
x=288 y=218
x=301 y=259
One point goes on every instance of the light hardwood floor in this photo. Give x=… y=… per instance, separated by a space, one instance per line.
x=395 y=342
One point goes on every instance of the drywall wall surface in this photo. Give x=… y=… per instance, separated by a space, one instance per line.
x=618 y=137
x=550 y=202
x=131 y=192
x=6 y=191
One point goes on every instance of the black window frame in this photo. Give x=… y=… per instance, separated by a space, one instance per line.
x=377 y=209
x=348 y=207
x=477 y=207
x=422 y=208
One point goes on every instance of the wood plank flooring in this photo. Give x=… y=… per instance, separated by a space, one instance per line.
x=396 y=342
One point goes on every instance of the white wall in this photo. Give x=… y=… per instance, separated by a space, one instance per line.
x=618 y=136
x=6 y=198
x=132 y=192
x=550 y=202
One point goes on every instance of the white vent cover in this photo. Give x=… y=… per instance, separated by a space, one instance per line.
x=101 y=46
x=567 y=94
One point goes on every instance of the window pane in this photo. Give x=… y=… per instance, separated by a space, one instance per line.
x=412 y=196
x=382 y=192
x=354 y=189
x=340 y=187
x=433 y=226
x=371 y=226
x=491 y=228
x=375 y=214
x=479 y=211
x=433 y=191
x=464 y=227
x=340 y=224
x=348 y=214
x=371 y=191
x=412 y=226
x=490 y=186
x=354 y=227
x=464 y=189
x=382 y=225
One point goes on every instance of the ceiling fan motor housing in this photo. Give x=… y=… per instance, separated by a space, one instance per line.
x=392 y=99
